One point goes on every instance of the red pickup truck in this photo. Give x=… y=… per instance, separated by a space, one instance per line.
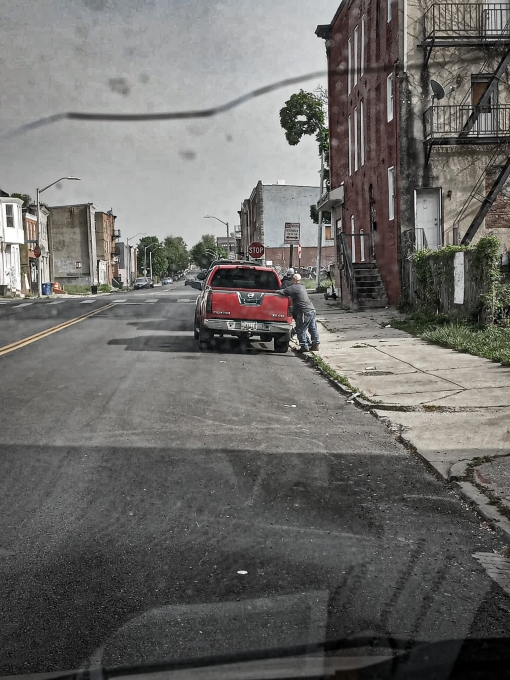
x=241 y=300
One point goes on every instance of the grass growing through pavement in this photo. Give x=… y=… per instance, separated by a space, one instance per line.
x=75 y=289
x=326 y=368
x=491 y=342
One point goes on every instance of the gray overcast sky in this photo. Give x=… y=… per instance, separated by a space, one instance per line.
x=128 y=56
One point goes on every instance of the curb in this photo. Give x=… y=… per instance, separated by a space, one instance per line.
x=479 y=502
x=345 y=391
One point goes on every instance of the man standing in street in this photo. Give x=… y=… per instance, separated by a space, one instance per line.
x=304 y=314
x=287 y=279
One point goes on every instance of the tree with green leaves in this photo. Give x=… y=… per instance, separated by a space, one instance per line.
x=206 y=251
x=305 y=113
x=27 y=200
x=176 y=253
x=159 y=260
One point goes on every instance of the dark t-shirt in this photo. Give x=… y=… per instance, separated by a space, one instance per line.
x=300 y=299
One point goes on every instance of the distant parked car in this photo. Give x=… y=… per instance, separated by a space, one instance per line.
x=167 y=280
x=189 y=279
x=142 y=282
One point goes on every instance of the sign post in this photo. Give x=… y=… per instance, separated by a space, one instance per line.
x=292 y=237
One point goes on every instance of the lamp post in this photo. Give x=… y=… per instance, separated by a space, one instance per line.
x=38 y=194
x=211 y=217
x=157 y=245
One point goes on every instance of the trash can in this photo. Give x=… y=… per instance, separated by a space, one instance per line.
x=46 y=288
x=93 y=290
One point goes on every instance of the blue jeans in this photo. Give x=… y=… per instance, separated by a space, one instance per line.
x=306 y=322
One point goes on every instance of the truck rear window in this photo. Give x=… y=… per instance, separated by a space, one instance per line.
x=245 y=278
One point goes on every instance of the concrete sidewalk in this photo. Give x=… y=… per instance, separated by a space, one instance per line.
x=453 y=409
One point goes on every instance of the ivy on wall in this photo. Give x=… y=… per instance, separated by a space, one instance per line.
x=434 y=277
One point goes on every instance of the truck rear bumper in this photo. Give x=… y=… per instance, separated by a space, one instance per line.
x=235 y=327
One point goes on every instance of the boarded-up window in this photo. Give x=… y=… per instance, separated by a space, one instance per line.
x=478 y=88
x=327 y=232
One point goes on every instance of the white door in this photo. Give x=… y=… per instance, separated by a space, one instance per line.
x=427 y=218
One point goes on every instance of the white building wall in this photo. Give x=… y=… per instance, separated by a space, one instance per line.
x=11 y=237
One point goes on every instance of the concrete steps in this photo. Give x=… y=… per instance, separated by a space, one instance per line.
x=369 y=286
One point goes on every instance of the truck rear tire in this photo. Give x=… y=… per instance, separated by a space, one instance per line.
x=204 y=338
x=281 y=346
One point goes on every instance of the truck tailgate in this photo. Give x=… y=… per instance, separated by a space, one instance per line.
x=249 y=305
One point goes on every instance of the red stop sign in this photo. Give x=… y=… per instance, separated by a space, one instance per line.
x=256 y=250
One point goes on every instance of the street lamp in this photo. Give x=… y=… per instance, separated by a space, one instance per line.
x=38 y=193
x=157 y=245
x=140 y=233
x=211 y=217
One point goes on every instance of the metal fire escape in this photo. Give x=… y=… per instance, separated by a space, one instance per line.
x=484 y=26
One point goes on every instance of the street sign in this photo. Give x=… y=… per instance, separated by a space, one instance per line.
x=37 y=251
x=231 y=255
x=291 y=234
x=256 y=250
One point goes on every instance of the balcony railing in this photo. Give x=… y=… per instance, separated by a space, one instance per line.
x=467 y=22
x=414 y=239
x=447 y=122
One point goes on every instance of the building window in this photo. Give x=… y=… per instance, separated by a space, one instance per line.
x=355 y=55
x=9 y=214
x=349 y=66
x=391 y=193
x=389 y=96
x=390 y=10
x=327 y=232
x=353 y=240
x=355 y=139
x=362 y=56
x=362 y=132
x=350 y=145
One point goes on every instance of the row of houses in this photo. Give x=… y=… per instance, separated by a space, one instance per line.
x=74 y=244
x=419 y=127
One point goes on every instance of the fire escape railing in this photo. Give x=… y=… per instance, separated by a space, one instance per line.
x=465 y=22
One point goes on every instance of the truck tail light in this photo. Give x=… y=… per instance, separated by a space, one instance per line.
x=208 y=304
x=290 y=307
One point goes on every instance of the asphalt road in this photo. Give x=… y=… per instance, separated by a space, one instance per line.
x=158 y=502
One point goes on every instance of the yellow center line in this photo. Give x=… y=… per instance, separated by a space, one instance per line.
x=49 y=331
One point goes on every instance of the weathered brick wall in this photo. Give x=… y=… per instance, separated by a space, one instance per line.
x=280 y=257
x=366 y=199
x=498 y=216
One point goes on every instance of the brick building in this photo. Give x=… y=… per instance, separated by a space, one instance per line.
x=263 y=217
x=29 y=263
x=106 y=238
x=418 y=135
